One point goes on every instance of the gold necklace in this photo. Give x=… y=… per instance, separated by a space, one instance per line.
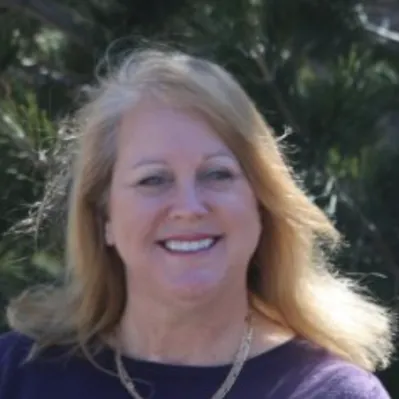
x=239 y=360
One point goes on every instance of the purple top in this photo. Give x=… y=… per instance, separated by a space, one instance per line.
x=295 y=370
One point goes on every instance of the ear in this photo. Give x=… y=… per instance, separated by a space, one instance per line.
x=109 y=237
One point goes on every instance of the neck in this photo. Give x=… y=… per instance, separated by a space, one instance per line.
x=205 y=335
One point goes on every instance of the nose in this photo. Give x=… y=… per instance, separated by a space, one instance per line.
x=187 y=203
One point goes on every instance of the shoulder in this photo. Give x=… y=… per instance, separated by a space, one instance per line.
x=340 y=380
x=14 y=347
x=55 y=372
x=17 y=367
x=330 y=377
x=302 y=370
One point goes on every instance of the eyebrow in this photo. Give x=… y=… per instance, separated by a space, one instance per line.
x=152 y=161
x=220 y=153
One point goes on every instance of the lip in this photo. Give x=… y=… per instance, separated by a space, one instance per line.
x=191 y=237
x=196 y=237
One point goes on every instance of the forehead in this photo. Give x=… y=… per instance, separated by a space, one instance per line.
x=154 y=129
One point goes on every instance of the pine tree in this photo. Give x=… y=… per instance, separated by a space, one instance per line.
x=322 y=73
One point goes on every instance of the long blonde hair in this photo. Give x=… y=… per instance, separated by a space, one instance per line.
x=289 y=279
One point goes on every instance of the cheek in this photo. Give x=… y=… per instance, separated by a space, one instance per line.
x=131 y=216
x=240 y=211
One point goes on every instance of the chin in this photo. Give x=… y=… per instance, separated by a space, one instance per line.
x=199 y=288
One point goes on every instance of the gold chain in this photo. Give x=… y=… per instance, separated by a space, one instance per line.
x=239 y=360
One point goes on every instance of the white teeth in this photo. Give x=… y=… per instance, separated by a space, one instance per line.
x=189 y=246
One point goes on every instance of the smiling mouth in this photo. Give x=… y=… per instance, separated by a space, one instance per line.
x=189 y=246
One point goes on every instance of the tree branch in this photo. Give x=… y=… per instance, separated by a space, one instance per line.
x=270 y=81
x=39 y=74
x=49 y=12
x=379 y=32
x=22 y=146
x=373 y=231
x=370 y=227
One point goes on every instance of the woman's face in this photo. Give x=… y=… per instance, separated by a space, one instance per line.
x=182 y=215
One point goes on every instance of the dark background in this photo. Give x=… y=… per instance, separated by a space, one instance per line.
x=324 y=73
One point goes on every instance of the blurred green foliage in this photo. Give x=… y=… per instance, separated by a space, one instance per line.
x=318 y=73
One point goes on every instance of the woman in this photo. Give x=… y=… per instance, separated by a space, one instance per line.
x=194 y=266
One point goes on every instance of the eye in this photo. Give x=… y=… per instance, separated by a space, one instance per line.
x=153 y=181
x=218 y=175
